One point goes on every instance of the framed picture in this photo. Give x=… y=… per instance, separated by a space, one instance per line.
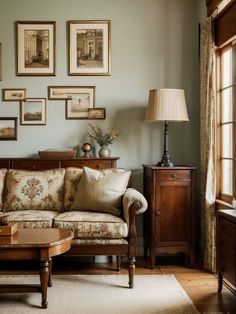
x=8 y=129
x=78 y=103
x=14 y=94
x=97 y=113
x=0 y=61
x=89 y=47
x=35 y=48
x=66 y=92
x=33 y=111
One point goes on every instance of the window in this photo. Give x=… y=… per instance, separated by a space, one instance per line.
x=222 y=5
x=226 y=112
x=216 y=6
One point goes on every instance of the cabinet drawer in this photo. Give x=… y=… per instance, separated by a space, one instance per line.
x=104 y=164
x=173 y=175
x=95 y=164
x=35 y=165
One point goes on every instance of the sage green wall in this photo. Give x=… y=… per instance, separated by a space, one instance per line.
x=154 y=45
x=202 y=10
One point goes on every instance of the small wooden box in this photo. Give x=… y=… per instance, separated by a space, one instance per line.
x=9 y=230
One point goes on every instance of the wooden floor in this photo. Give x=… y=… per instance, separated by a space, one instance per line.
x=200 y=285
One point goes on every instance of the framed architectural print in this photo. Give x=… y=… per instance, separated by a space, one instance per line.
x=97 y=113
x=8 y=129
x=35 y=48
x=14 y=94
x=78 y=104
x=89 y=47
x=33 y=111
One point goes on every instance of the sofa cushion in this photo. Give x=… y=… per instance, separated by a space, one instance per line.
x=72 y=178
x=3 y=172
x=31 y=190
x=87 y=225
x=101 y=190
x=32 y=218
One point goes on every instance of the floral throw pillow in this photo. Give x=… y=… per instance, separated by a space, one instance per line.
x=101 y=190
x=31 y=190
x=72 y=178
x=3 y=172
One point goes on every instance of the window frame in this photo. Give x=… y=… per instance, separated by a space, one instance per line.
x=219 y=138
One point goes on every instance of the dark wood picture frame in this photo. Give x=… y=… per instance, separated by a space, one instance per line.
x=89 y=47
x=13 y=94
x=97 y=113
x=77 y=106
x=65 y=92
x=34 y=114
x=8 y=132
x=39 y=59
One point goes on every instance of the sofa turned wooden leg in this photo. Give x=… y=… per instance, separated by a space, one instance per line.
x=131 y=271
x=118 y=263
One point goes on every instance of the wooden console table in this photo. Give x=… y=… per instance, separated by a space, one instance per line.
x=52 y=163
x=35 y=244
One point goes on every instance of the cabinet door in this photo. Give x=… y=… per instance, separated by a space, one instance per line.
x=226 y=253
x=173 y=213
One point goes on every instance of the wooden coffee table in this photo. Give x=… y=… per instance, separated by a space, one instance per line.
x=35 y=244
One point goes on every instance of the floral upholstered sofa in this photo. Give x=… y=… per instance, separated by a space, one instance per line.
x=95 y=204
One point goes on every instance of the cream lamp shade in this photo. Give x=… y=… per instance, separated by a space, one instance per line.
x=166 y=105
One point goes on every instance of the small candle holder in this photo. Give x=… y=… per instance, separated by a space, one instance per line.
x=86 y=148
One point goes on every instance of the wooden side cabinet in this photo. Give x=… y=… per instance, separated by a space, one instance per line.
x=170 y=218
x=226 y=249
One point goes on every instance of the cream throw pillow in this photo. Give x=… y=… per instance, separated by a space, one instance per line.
x=101 y=191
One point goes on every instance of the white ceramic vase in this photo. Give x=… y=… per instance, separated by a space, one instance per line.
x=104 y=152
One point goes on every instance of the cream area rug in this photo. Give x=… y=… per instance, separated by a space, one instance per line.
x=96 y=294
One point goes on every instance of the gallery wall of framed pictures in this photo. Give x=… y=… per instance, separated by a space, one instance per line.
x=89 y=54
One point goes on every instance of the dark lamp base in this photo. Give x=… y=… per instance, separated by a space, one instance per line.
x=165 y=161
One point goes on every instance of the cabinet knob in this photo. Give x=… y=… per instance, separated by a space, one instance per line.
x=33 y=167
x=173 y=175
x=158 y=213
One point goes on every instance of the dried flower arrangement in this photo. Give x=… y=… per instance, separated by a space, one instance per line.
x=101 y=137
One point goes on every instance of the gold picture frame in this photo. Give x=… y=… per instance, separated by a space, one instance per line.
x=35 y=48
x=8 y=129
x=89 y=47
x=13 y=94
x=33 y=111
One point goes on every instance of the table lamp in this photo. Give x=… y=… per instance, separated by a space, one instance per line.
x=166 y=105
